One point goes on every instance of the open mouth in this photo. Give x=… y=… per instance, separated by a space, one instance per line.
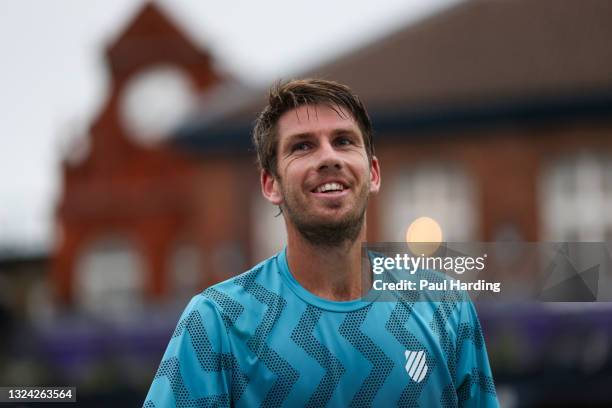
x=328 y=188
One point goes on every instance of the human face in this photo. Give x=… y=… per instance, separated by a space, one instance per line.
x=324 y=176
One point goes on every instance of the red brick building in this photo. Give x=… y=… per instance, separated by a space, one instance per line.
x=493 y=117
x=131 y=206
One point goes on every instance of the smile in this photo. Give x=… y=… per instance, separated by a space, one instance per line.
x=327 y=188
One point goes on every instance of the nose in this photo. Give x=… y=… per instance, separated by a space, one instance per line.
x=328 y=157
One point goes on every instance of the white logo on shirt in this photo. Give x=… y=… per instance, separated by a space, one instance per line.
x=415 y=365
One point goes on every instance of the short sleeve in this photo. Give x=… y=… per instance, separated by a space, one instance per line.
x=196 y=367
x=474 y=381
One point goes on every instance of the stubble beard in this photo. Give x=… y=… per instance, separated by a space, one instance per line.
x=327 y=233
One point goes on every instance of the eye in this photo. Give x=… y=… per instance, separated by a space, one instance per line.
x=343 y=141
x=301 y=146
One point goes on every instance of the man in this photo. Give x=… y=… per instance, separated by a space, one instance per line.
x=295 y=330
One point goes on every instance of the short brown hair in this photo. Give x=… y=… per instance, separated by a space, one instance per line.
x=285 y=96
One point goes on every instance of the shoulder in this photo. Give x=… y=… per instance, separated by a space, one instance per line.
x=232 y=296
x=262 y=273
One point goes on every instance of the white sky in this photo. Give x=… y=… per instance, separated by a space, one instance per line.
x=53 y=78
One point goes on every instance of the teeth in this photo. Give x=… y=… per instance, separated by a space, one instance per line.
x=329 y=187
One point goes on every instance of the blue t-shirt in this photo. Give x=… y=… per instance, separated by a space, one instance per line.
x=261 y=339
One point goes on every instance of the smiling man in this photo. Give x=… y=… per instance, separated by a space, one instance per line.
x=294 y=330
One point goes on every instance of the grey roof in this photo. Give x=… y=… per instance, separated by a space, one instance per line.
x=480 y=54
x=484 y=49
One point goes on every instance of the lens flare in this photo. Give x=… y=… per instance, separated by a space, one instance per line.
x=424 y=236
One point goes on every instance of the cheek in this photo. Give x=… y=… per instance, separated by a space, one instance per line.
x=361 y=168
x=294 y=170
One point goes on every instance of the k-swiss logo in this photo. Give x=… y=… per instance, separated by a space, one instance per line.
x=415 y=365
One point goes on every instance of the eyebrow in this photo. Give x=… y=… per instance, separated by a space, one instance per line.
x=305 y=135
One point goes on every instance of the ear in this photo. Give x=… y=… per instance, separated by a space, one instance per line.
x=270 y=188
x=374 y=176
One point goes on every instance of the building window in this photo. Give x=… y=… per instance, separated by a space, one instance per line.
x=185 y=272
x=576 y=199
x=442 y=192
x=109 y=281
x=269 y=234
x=228 y=260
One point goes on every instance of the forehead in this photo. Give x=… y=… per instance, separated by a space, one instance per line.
x=319 y=118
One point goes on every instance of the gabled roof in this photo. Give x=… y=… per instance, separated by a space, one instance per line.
x=479 y=60
x=152 y=37
x=485 y=49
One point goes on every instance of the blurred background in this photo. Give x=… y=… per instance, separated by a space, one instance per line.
x=128 y=182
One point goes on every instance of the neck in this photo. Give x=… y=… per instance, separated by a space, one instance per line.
x=330 y=272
